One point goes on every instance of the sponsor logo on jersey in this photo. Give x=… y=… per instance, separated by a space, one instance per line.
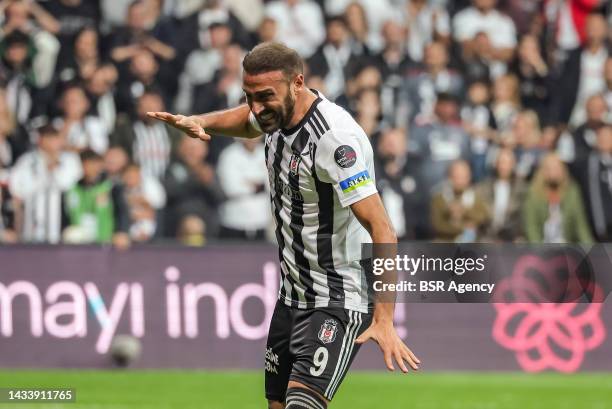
x=345 y=156
x=272 y=361
x=355 y=181
x=284 y=188
x=294 y=164
x=327 y=333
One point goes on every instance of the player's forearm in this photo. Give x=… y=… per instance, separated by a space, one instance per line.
x=385 y=246
x=228 y=122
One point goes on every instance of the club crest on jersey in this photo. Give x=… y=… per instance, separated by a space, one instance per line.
x=345 y=156
x=327 y=333
x=294 y=164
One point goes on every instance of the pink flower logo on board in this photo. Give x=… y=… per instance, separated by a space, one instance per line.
x=544 y=334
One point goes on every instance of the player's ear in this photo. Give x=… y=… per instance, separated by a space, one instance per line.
x=298 y=83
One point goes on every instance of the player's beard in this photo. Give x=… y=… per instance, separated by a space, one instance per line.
x=280 y=117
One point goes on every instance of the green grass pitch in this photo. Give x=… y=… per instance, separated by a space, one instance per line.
x=361 y=390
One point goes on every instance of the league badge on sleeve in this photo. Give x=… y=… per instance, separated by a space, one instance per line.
x=345 y=156
x=327 y=333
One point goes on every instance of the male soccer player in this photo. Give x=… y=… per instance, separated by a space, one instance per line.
x=325 y=203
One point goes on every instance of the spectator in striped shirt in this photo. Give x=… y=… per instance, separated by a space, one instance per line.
x=38 y=181
x=149 y=143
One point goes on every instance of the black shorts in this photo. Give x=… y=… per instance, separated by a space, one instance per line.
x=314 y=347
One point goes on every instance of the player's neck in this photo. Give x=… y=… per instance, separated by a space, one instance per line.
x=302 y=106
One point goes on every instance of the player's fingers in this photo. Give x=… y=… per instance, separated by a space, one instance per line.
x=203 y=135
x=163 y=116
x=406 y=356
x=412 y=355
x=399 y=358
x=367 y=334
x=388 y=360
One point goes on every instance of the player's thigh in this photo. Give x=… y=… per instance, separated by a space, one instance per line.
x=278 y=358
x=324 y=348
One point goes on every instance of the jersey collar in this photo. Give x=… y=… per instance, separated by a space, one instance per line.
x=306 y=117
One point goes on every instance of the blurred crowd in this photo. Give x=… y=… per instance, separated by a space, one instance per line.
x=491 y=120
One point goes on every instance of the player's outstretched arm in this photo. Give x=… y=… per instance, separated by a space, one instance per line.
x=229 y=122
x=372 y=215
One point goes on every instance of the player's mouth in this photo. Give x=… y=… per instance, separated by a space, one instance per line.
x=267 y=117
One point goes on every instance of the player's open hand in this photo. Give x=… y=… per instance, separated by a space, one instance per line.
x=391 y=345
x=183 y=123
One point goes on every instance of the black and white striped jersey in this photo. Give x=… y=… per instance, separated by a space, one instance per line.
x=317 y=170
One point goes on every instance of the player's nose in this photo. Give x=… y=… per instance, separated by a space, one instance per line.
x=257 y=108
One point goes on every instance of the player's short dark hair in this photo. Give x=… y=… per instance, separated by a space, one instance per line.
x=273 y=56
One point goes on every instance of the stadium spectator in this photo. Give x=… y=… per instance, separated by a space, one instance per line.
x=376 y=12
x=393 y=63
x=357 y=24
x=81 y=64
x=7 y=219
x=439 y=143
x=425 y=23
x=534 y=77
x=368 y=112
x=192 y=231
x=39 y=65
x=582 y=74
x=99 y=89
x=458 y=213
x=81 y=130
x=584 y=137
x=595 y=179
x=422 y=85
x=250 y=14
x=553 y=210
x=11 y=146
x=366 y=77
x=13 y=138
x=334 y=57
x=506 y=101
x=116 y=161
x=196 y=28
x=504 y=194
x=224 y=90
x=483 y=17
x=392 y=59
x=480 y=64
x=243 y=178
x=563 y=25
x=148 y=142
x=23 y=72
x=479 y=123
x=266 y=31
x=399 y=185
x=27 y=17
x=145 y=197
x=38 y=182
x=137 y=34
x=202 y=63
x=191 y=187
x=113 y=14
x=71 y=16
x=143 y=74
x=525 y=138
x=300 y=24
x=225 y=87
x=95 y=210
